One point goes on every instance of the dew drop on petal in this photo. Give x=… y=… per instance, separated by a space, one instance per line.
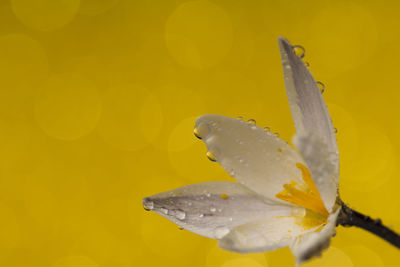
x=180 y=215
x=252 y=121
x=211 y=157
x=220 y=232
x=163 y=210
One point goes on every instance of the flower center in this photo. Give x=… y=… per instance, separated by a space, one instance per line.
x=306 y=196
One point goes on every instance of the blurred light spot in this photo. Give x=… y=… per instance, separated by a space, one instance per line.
x=363 y=256
x=45 y=15
x=350 y=41
x=199 y=34
x=96 y=7
x=241 y=262
x=176 y=103
x=76 y=261
x=332 y=257
x=68 y=106
x=163 y=238
x=9 y=228
x=181 y=138
x=126 y=119
x=23 y=64
x=222 y=258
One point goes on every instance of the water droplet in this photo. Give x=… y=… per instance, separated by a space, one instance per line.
x=180 y=215
x=220 y=232
x=240 y=118
x=201 y=131
x=307 y=64
x=321 y=87
x=298 y=211
x=267 y=129
x=335 y=130
x=299 y=51
x=181 y=228
x=201 y=215
x=196 y=133
x=276 y=134
x=279 y=149
x=148 y=205
x=163 y=210
x=230 y=219
x=252 y=121
x=212 y=209
x=232 y=173
x=211 y=157
x=208 y=195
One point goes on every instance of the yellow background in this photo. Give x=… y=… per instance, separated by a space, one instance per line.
x=98 y=100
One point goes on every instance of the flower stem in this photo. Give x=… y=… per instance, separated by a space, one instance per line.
x=349 y=217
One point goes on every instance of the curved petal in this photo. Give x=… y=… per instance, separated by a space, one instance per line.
x=307 y=105
x=312 y=244
x=255 y=157
x=213 y=209
x=319 y=161
x=263 y=235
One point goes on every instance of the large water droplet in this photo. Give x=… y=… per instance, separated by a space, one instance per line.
x=211 y=157
x=252 y=121
x=299 y=51
x=148 y=205
x=180 y=215
x=202 y=131
x=163 y=210
x=298 y=211
x=196 y=133
x=220 y=232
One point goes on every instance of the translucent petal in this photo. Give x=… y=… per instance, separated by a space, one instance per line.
x=313 y=243
x=320 y=164
x=213 y=209
x=308 y=108
x=263 y=235
x=255 y=157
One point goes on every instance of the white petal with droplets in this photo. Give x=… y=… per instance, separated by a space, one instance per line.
x=263 y=235
x=307 y=105
x=255 y=157
x=212 y=209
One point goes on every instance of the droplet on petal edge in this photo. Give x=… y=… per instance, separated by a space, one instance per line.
x=210 y=156
x=148 y=204
x=252 y=121
x=196 y=133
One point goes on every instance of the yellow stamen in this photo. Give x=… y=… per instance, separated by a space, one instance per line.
x=308 y=197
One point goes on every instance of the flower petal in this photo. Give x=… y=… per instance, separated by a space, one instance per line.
x=255 y=157
x=263 y=235
x=313 y=243
x=308 y=108
x=213 y=209
x=319 y=161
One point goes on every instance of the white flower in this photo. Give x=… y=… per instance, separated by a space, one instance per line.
x=285 y=196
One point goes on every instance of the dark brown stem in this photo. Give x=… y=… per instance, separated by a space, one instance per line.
x=349 y=217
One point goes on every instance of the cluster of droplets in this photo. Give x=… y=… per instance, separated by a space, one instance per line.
x=301 y=52
x=254 y=123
